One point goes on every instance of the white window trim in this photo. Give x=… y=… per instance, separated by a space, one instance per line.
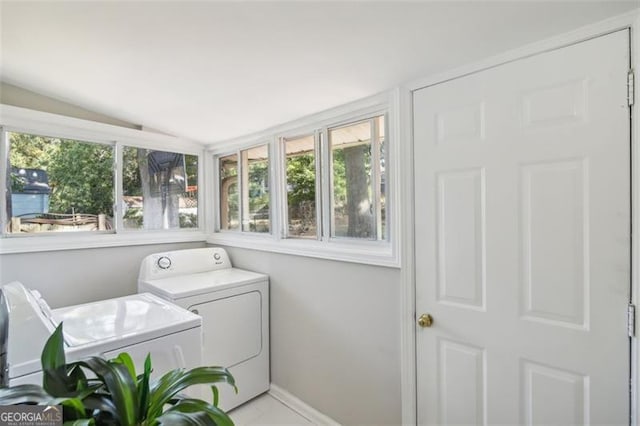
x=54 y=125
x=281 y=178
x=327 y=170
x=381 y=253
x=216 y=193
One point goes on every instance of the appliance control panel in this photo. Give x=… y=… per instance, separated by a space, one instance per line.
x=164 y=262
x=183 y=262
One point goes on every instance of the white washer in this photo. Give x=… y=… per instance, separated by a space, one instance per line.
x=137 y=324
x=234 y=305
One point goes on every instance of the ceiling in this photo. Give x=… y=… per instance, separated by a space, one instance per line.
x=212 y=70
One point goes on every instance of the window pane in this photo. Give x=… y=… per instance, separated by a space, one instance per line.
x=59 y=185
x=379 y=123
x=255 y=192
x=300 y=162
x=229 y=195
x=355 y=203
x=160 y=189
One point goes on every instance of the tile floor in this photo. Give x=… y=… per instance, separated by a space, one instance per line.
x=266 y=410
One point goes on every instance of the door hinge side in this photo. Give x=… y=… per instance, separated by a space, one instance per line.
x=631 y=83
x=631 y=320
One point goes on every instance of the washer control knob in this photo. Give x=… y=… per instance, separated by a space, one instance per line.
x=164 y=262
x=216 y=256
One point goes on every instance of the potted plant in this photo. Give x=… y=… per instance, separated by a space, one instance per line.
x=95 y=391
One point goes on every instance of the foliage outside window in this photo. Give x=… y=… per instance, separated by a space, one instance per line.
x=350 y=201
x=160 y=189
x=358 y=180
x=229 y=194
x=63 y=185
x=300 y=165
x=248 y=197
x=255 y=189
x=58 y=185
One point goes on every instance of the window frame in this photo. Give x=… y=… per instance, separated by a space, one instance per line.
x=384 y=252
x=244 y=213
x=4 y=142
x=15 y=119
x=216 y=199
x=284 y=206
x=119 y=203
x=241 y=188
x=375 y=174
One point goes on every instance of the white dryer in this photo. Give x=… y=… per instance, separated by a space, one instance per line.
x=234 y=305
x=137 y=324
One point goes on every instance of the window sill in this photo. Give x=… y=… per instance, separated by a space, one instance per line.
x=365 y=252
x=51 y=242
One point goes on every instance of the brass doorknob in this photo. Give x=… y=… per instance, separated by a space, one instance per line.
x=425 y=320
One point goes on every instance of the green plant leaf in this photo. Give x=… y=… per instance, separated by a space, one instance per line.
x=120 y=385
x=53 y=353
x=56 y=382
x=219 y=417
x=143 y=388
x=100 y=403
x=58 y=378
x=89 y=390
x=77 y=377
x=125 y=359
x=54 y=373
x=158 y=390
x=216 y=395
x=23 y=394
x=176 y=381
x=71 y=404
x=112 y=395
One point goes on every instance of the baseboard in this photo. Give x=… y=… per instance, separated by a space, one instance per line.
x=302 y=408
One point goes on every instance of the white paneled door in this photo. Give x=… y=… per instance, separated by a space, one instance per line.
x=522 y=209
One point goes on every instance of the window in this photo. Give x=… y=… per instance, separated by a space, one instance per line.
x=248 y=197
x=301 y=181
x=327 y=190
x=160 y=189
x=349 y=204
x=229 y=194
x=357 y=180
x=76 y=187
x=58 y=185
x=255 y=189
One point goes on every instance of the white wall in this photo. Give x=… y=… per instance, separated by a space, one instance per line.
x=334 y=326
x=19 y=97
x=335 y=334
x=70 y=277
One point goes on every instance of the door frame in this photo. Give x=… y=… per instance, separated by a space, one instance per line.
x=631 y=21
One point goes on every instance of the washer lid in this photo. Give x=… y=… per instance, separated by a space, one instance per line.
x=133 y=318
x=182 y=286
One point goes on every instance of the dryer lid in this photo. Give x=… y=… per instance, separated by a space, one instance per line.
x=181 y=286
x=139 y=317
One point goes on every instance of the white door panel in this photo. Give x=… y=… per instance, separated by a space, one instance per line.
x=522 y=216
